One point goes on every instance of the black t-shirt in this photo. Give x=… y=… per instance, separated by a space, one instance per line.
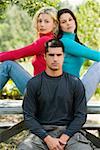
x=54 y=101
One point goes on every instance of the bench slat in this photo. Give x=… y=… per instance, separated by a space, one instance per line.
x=10 y=106
x=15 y=107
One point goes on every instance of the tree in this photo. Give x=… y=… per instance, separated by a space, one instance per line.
x=16 y=30
x=30 y=6
x=88 y=15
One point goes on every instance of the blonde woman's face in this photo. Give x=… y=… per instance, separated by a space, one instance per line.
x=67 y=23
x=45 y=23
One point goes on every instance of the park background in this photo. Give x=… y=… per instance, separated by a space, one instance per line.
x=16 y=31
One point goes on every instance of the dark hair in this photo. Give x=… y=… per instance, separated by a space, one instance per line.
x=60 y=32
x=53 y=43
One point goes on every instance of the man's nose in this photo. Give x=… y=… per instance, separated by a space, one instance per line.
x=55 y=57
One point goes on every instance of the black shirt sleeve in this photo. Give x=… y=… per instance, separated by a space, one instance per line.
x=29 y=110
x=80 y=109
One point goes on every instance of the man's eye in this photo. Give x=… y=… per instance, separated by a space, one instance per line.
x=51 y=54
x=59 y=54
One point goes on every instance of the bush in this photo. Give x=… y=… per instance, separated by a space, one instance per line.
x=10 y=91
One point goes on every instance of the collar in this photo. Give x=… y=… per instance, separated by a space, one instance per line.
x=69 y=35
x=48 y=34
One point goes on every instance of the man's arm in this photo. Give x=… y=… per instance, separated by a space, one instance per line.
x=30 y=109
x=80 y=109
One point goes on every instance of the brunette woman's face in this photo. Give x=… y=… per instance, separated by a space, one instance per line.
x=67 y=23
x=45 y=23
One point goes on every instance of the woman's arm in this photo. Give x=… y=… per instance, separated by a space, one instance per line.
x=74 y=48
x=30 y=50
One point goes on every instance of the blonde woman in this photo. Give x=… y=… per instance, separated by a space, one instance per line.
x=45 y=23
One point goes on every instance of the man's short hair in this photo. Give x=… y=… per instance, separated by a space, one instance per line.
x=53 y=43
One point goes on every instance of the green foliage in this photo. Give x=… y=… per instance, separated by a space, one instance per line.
x=16 y=30
x=88 y=15
x=10 y=91
x=3 y=6
x=31 y=6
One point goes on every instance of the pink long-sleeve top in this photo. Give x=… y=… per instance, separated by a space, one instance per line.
x=37 y=48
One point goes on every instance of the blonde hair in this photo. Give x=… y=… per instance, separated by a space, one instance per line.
x=46 y=10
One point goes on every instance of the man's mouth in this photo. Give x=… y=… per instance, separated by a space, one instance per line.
x=54 y=64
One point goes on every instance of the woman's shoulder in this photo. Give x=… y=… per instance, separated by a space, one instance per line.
x=45 y=37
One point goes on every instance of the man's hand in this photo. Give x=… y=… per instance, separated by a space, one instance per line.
x=64 y=139
x=54 y=143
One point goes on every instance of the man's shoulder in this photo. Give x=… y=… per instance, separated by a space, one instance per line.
x=73 y=81
x=36 y=79
x=70 y=76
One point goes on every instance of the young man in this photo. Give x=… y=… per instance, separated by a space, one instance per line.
x=54 y=106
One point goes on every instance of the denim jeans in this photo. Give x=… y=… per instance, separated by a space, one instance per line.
x=76 y=142
x=91 y=79
x=11 y=69
x=14 y=71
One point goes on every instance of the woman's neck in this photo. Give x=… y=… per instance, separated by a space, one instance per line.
x=47 y=34
x=69 y=35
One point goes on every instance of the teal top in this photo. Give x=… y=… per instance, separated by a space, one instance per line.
x=76 y=54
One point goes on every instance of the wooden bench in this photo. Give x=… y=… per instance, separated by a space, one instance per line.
x=15 y=107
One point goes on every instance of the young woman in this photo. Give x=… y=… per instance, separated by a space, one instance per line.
x=76 y=54
x=37 y=48
x=45 y=22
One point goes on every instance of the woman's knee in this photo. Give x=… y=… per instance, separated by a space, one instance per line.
x=9 y=65
x=8 y=62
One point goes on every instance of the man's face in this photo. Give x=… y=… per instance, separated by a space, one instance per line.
x=54 y=58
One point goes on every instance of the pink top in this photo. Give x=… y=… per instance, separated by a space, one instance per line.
x=36 y=48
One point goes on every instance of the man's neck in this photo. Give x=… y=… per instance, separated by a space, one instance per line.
x=53 y=73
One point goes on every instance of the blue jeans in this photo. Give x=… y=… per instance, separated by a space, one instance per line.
x=11 y=69
x=76 y=142
x=91 y=79
x=14 y=71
